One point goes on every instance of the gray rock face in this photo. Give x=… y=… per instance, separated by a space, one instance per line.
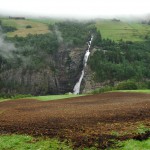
x=89 y=84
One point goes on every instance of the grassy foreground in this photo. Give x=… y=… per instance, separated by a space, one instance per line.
x=134 y=145
x=25 y=142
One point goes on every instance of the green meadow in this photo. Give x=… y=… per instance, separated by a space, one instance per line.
x=42 y=98
x=127 y=31
x=123 y=30
x=22 y=31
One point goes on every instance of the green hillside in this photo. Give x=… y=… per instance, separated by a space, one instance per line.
x=33 y=59
x=122 y=30
x=114 y=30
x=36 y=27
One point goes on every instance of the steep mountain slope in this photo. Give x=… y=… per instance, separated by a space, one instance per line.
x=44 y=63
x=49 y=60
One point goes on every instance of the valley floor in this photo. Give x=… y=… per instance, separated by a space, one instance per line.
x=93 y=120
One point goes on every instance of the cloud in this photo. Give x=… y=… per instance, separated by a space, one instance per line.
x=75 y=8
x=58 y=34
x=6 y=48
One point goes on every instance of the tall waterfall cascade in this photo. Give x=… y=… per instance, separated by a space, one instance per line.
x=76 y=89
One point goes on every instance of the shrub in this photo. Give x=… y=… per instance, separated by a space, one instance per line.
x=127 y=85
x=102 y=90
x=17 y=96
x=8 y=28
x=142 y=85
x=28 y=26
x=14 y=96
x=148 y=85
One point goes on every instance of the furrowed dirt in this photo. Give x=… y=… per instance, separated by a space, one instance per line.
x=87 y=121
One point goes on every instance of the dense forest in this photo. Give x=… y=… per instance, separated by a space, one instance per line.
x=118 y=61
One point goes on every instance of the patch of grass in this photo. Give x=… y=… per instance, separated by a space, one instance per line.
x=54 y=97
x=134 y=145
x=142 y=129
x=42 y=98
x=102 y=90
x=115 y=133
x=24 y=142
x=123 y=30
x=3 y=99
x=135 y=91
x=37 y=27
x=113 y=89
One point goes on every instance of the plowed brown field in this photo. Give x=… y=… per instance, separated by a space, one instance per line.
x=83 y=120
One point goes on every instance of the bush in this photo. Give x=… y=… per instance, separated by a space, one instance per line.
x=142 y=85
x=13 y=96
x=127 y=85
x=102 y=90
x=17 y=96
x=28 y=26
x=8 y=28
x=148 y=85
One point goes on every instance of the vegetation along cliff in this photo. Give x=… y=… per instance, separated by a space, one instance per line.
x=46 y=57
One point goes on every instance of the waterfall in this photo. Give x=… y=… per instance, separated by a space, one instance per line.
x=76 y=89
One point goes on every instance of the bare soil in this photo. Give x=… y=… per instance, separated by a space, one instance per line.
x=86 y=121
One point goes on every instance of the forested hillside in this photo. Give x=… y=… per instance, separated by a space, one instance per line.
x=49 y=60
x=118 y=61
x=43 y=63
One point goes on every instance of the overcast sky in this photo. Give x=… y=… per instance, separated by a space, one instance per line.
x=74 y=8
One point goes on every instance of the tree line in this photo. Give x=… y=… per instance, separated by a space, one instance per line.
x=118 y=61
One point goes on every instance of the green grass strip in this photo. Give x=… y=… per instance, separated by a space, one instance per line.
x=24 y=142
x=44 y=98
x=134 y=145
x=135 y=91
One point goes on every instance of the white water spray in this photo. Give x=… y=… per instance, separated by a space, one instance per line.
x=76 y=89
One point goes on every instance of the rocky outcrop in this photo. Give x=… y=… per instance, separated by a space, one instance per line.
x=89 y=83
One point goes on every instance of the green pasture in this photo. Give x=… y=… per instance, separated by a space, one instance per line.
x=25 y=142
x=123 y=30
x=133 y=145
x=127 y=31
x=22 y=31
